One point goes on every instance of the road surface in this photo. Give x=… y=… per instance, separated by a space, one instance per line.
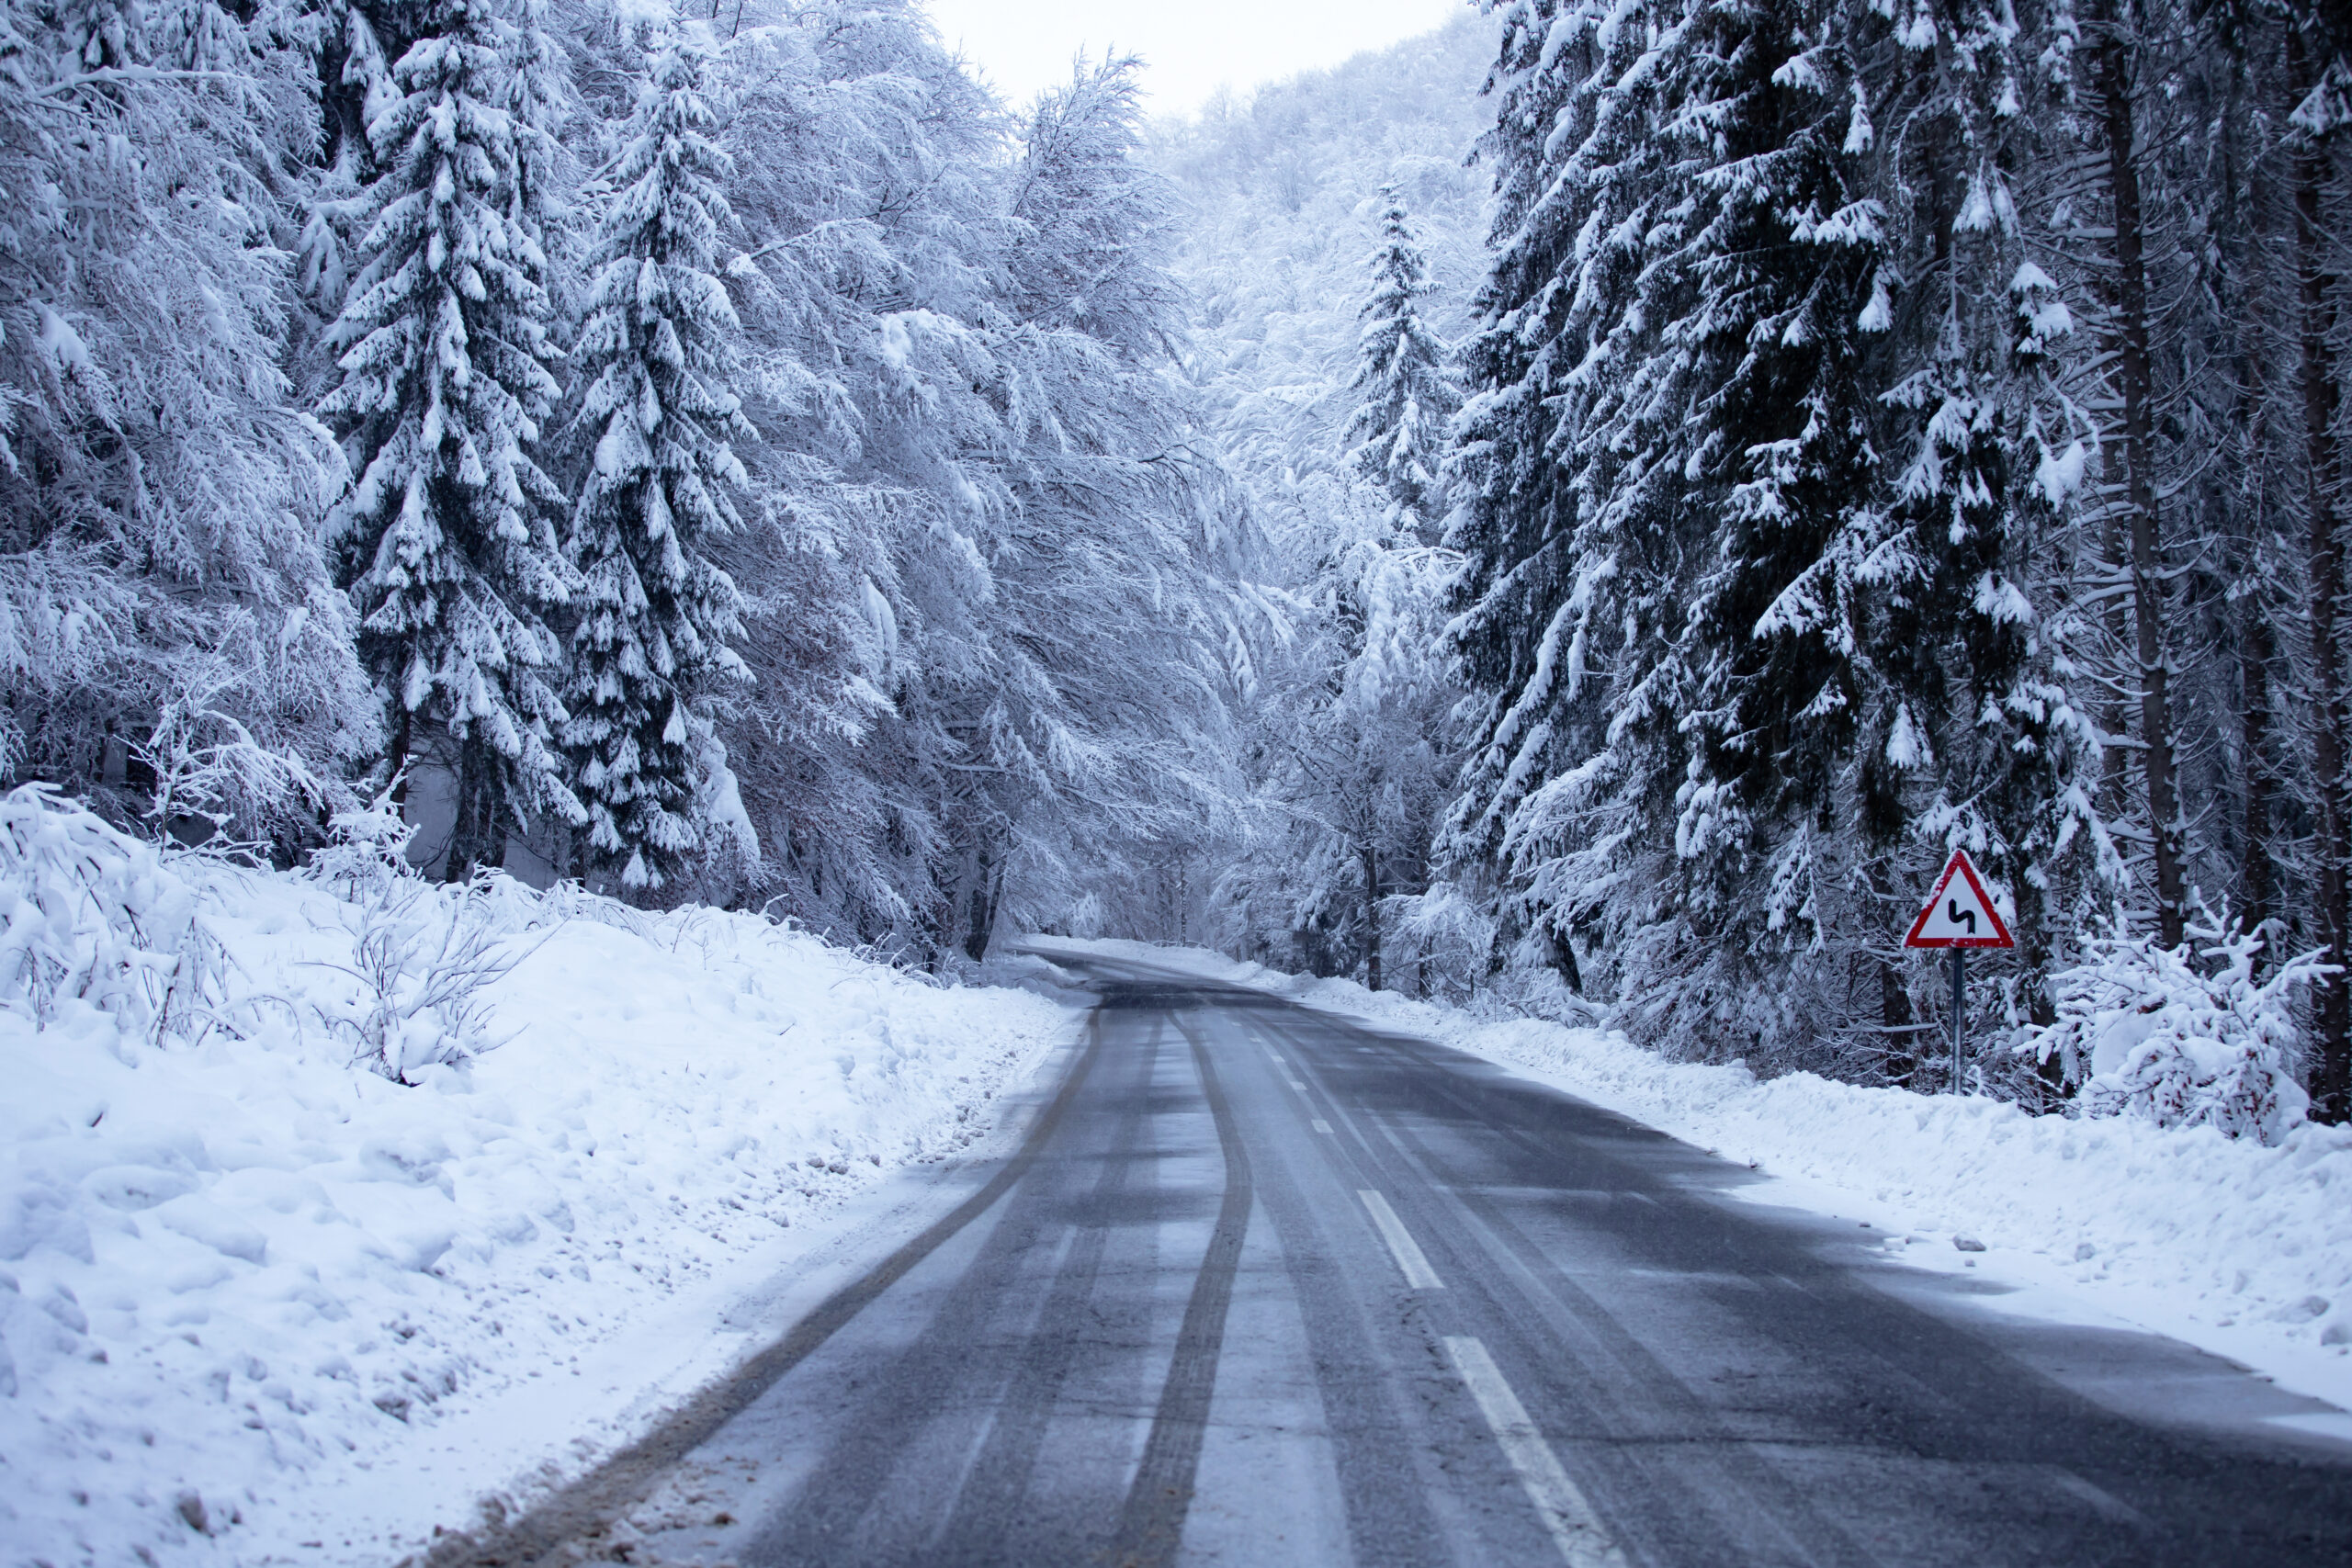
x=1264 y=1286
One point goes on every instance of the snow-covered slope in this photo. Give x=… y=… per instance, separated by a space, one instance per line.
x=2242 y=1249
x=235 y=1266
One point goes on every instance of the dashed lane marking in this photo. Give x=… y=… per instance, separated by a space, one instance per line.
x=1573 y=1526
x=1418 y=1275
x=1323 y=1126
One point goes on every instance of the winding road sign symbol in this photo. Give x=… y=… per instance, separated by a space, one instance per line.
x=1959 y=913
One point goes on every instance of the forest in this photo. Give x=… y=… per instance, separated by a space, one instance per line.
x=1579 y=513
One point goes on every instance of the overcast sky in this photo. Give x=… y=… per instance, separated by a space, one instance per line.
x=1191 y=47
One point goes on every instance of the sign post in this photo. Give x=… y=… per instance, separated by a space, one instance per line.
x=1960 y=915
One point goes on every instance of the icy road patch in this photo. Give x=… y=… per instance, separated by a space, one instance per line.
x=2239 y=1249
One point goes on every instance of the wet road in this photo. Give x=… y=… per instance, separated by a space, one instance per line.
x=1266 y=1287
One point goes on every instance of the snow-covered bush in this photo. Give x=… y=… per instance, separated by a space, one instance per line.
x=420 y=952
x=2183 y=1037
x=366 y=848
x=95 y=918
x=1447 y=936
x=212 y=767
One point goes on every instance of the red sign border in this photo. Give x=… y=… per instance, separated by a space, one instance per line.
x=1961 y=862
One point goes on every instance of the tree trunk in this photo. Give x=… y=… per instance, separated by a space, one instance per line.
x=403 y=740
x=1372 y=916
x=1894 y=995
x=983 y=910
x=2136 y=372
x=2331 y=1083
x=2258 y=892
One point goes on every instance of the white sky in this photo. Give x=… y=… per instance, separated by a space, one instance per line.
x=1190 y=47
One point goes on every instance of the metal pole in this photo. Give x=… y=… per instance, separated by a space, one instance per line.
x=1959 y=1010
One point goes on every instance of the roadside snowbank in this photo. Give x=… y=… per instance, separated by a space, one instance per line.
x=2225 y=1244
x=228 y=1261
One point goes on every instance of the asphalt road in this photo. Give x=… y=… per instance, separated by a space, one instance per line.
x=1265 y=1287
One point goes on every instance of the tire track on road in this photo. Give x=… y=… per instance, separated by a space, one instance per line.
x=1151 y=1525
x=584 y=1509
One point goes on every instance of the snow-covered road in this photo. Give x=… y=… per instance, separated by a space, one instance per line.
x=1261 y=1284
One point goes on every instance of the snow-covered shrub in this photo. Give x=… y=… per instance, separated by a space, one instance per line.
x=2185 y=1036
x=93 y=916
x=212 y=767
x=1446 y=935
x=421 y=954
x=366 y=849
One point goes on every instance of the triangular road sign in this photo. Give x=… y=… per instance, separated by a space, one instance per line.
x=1960 y=913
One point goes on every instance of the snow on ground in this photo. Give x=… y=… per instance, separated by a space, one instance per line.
x=242 y=1276
x=2243 y=1250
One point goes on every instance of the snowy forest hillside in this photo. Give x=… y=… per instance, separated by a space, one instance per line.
x=1344 y=699
x=1882 y=430
x=1586 y=510
x=716 y=462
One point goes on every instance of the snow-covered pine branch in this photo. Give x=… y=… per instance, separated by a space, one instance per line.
x=448 y=536
x=654 y=613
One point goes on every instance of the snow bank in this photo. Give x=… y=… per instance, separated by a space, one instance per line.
x=237 y=1248
x=2242 y=1249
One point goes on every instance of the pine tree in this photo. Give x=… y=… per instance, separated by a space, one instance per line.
x=654 y=614
x=1787 y=264
x=1742 y=677
x=1569 y=606
x=1404 y=381
x=446 y=537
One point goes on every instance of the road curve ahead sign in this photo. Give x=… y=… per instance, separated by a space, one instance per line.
x=1960 y=913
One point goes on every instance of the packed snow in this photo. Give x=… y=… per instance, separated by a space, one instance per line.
x=2238 y=1247
x=262 y=1234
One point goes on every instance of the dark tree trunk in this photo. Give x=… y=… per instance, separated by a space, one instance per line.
x=1895 y=1017
x=2136 y=373
x=983 y=909
x=2258 y=891
x=477 y=811
x=1372 y=916
x=403 y=740
x=2331 y=830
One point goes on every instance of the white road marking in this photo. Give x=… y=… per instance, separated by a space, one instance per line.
x=1298 y=1086
x=1323 y=1126
x=1575 y=1530
x=1418 y=1275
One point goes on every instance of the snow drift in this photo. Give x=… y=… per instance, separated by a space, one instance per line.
x=293 y=1167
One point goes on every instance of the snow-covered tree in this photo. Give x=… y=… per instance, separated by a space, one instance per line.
x=1569 y=616
x=1353 y=714
x=654 y=613
x=977 y=512
x=856 y=561
x=1404 y=381
x=1766 y=464
x=448 y=536
x=160 y=496
x=1104 y=555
